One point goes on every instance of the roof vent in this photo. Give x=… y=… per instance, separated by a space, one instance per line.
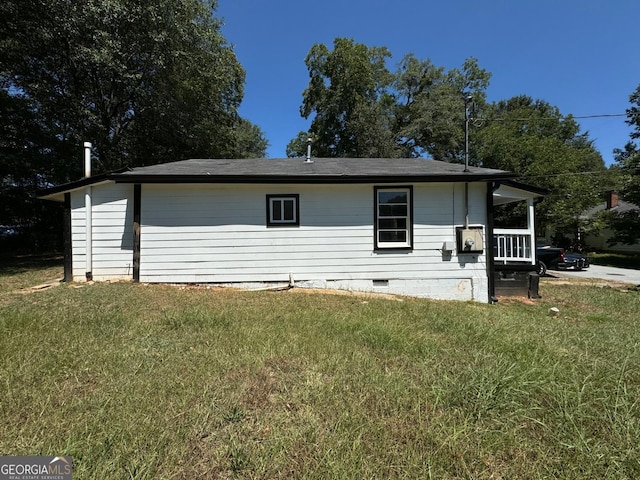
x=308 y=159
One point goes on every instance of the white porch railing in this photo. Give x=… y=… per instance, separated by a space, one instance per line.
x=513 y=245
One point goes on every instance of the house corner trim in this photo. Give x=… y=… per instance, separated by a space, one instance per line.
x=137 y=197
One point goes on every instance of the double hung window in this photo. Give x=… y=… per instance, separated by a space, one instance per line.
x=393 y=217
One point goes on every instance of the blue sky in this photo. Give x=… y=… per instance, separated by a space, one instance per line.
x=579 y=55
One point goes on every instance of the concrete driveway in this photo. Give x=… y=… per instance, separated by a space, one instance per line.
x=599 y=272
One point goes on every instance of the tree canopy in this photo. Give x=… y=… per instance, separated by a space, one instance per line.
x=145 y=82
x=626 y=226
x=359 y=108
x=430 y=106
x=629 y=158
x=344 y=95
x=545 y=148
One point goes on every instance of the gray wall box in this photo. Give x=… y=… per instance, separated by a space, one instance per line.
x=470 y=240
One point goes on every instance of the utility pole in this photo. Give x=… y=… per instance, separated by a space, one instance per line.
x=468 y=100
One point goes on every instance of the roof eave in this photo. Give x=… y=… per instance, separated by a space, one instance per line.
x=526 y=187
x=56 y=193
x=310 y=179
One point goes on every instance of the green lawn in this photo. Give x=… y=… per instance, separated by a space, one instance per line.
x=138 y=381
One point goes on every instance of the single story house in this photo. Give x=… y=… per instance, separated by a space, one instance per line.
x=612 y=203
x=406 y=226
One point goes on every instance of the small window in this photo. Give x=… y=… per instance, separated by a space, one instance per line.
x=283 y=211
x=393 y=217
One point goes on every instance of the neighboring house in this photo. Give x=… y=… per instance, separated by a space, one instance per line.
x=612 y=203
x=407 y=226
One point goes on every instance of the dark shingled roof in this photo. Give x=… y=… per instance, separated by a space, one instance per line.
x=346 y=170
x=622 y=207
x=294 y=170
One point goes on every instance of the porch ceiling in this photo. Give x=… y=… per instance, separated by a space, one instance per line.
x=510 y=192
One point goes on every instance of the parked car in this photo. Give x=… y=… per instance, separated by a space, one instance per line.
x=8 y=231
x=556 y=258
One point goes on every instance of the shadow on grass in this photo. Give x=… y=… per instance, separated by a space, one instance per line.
x=16 y=264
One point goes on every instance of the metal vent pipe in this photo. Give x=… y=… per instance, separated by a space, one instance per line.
x=88 y=212
x=308 y=160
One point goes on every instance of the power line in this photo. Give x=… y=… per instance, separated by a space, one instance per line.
x=602 y=115
x=567 y=174
x=562 y=117
x=597 y=172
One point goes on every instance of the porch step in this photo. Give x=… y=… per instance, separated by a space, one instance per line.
x=516 y=283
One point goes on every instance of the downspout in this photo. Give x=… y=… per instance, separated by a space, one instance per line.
x=466 y=205
x=88 y=210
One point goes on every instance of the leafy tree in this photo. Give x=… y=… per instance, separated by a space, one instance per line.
x=626 y=226
x=249 y=141
x=297 y=147
x=145 y=82
x=360 y=109
x=629 y=158
x=370 y=131
x=545 y=148
x=430 y=106
x=21 y=167
x=345 y=88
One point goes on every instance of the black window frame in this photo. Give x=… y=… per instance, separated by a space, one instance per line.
x=386 y=246
x=296 y=210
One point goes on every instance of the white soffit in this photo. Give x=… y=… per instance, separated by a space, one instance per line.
x=507 y=194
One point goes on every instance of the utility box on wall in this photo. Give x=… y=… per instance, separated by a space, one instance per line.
x=470 y=240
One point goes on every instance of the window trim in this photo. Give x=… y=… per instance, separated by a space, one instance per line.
x=296 y=210
x=408 y=245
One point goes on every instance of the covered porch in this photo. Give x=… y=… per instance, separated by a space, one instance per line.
x=514 y=249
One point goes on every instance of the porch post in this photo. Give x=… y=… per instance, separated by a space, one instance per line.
x=491 y=269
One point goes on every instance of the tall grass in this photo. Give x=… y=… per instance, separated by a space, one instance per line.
x=137 y=381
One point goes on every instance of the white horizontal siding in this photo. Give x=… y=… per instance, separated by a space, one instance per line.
x=112 y=232
x=213 y=233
